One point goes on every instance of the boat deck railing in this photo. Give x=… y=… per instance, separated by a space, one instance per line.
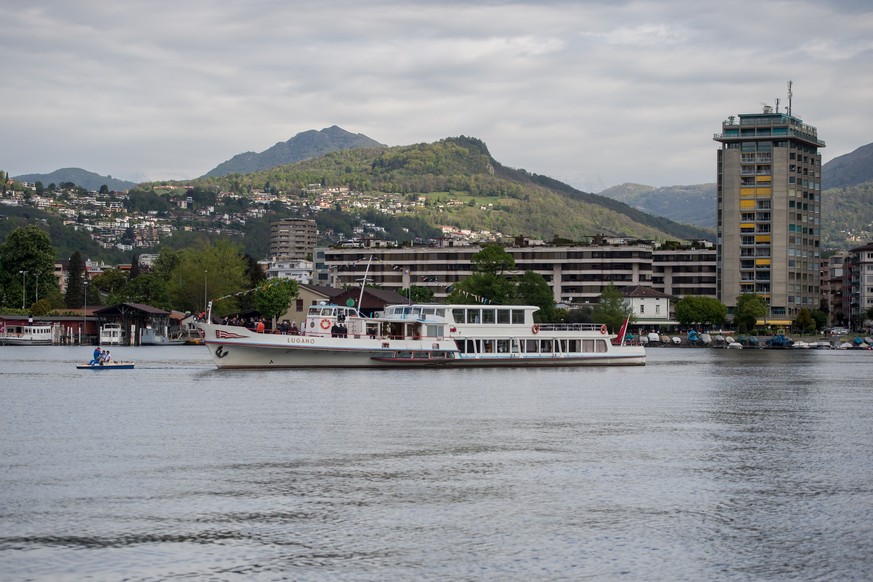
x=569 y=326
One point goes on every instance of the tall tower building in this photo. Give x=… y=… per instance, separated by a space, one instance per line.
x=769 y=211
x=293 y=238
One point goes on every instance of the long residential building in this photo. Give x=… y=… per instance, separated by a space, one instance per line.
x=576 y=274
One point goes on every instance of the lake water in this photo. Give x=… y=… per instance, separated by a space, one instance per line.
x=702 y=465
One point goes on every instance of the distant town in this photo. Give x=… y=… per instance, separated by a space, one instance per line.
x=105 y=215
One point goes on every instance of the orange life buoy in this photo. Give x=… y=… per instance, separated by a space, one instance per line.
x=603 y=329
x=325 y=324
x=535 y=328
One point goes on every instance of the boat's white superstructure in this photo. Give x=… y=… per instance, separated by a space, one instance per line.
x=111 y=334
x=421 y=335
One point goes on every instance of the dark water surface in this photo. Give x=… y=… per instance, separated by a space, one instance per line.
x=703 y=465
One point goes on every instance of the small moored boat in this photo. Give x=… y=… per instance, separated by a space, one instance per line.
x=111 y=334
x=26 y=334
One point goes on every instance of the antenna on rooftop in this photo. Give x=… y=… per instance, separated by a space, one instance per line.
x=789 y=98
x=777 y=105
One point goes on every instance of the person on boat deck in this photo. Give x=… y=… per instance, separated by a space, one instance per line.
x=107 y=357
x=98 y=353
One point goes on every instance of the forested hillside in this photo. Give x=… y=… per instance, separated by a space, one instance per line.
x=847 y=216
x=460 y=184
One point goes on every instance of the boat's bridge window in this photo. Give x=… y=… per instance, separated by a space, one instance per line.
x=518 y=316
x=459 y=315
x=488 y=316
x=503 y=316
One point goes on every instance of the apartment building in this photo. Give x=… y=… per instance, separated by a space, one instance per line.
x=293 y=238
x=769 y=211
x=859 y=289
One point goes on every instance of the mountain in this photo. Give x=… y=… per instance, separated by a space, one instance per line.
x=455 y=182
x=303 y=146
x=79 y=177
x=847 y=216
x=848 y=170
x=685 y=204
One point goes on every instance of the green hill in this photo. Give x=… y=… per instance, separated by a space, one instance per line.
x=461 y=185
x=79 y=177
x=847 y=216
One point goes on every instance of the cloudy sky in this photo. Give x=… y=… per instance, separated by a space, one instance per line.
x=593 y=93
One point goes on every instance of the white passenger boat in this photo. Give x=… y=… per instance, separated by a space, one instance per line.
x=26 y=334
x=335 y=336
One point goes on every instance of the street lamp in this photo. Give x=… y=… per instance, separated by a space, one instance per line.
x=85 y=309
x=23 y=287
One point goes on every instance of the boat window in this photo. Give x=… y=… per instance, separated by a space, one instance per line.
x=458 y=315
x=518 y=316
x=515 y=347
x=440 y=312
x=488 y=316
x=600 y=346
x=588 y=346
x=488 y=346
x=474 y=316
x=502 y=346
x=574 y=346
x=434 y=330
x=531 y=346
x=503 y=316
x=547 y=346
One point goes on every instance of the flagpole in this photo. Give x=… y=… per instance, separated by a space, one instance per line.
x=363 y=284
